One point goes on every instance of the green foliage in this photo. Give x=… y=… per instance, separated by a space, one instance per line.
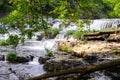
x=13 y=40
x=3 y=42
x=70 y=32
x=49 y=52
x=64 y=48
x=3 y=30
x=11 y=56
x=78 y=34
x=54 y=31
x=114 y=5
x=51 y=32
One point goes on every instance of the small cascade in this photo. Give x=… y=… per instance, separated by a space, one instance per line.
x=62 y=34
x=56 y=24
x=49 y=43
x=104 y=24
x=35 y=61
x=3 y=36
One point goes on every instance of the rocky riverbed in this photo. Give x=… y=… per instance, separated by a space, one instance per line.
x=64 y=61
x=101 y=51
x=81 y=54
x=21 y=70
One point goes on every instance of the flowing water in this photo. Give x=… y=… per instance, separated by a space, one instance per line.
x=9 y=71
x=105 y=23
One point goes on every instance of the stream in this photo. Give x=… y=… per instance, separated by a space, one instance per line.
x=23 y=71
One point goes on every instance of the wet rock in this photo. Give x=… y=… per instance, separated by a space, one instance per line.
x=61 y=65
x=39 y=37
x=91 y=58
x=114 y=37
x=2 y=57
x=42 y=60
x=113 y=72
x=21 y=59
x=30 y=57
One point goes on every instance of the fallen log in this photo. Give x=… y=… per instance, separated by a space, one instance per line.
x=82 y=70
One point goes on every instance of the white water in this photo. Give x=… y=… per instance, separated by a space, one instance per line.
x=105 y=23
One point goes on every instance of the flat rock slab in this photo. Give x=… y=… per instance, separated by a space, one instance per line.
x=90 y=46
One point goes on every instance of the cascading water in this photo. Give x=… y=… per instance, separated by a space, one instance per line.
x=105 y=23
x=62 y=34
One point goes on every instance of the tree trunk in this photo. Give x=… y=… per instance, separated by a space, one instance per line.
x=82 y=70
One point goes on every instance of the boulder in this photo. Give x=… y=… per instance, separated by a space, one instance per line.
x=114 y=37
x=21 y=59
x=91 y=58
x=61 y=65
x=2 y=57
x=113 y=72
x=43 y=60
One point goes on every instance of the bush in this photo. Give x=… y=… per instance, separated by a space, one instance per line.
x=11 y=56
x=70 y=32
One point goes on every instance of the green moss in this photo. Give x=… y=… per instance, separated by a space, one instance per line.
x=11 y=56
x=64 y=48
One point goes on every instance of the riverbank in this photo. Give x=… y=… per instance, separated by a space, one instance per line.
x=73 y=54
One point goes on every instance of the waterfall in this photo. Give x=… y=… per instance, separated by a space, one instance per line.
x=62 y=34
x=104 y=24
x=97 y=24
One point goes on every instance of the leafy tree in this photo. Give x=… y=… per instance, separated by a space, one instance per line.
x=27 y=12
x=35 y=13
x=115 y=7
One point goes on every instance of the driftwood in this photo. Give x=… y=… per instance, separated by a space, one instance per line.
x=102 y=33
x=82 y=70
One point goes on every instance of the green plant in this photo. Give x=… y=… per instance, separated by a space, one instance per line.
x=64 y=48
x=2 y=30
x=78 y=34
x=54 y=31
x=11 y=56
x=49 y=52
x=13 y=40
x=3 y=42
x=70 y=32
